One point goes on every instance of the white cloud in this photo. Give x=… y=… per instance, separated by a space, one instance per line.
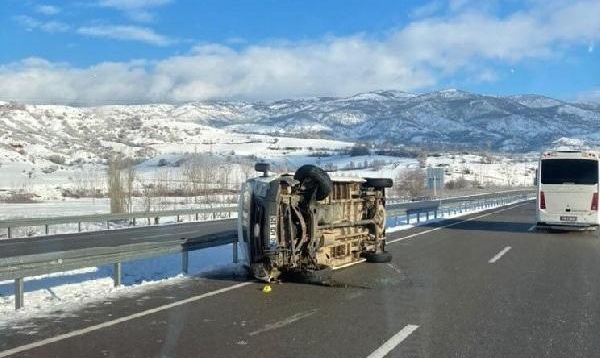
x=30 y=24
x=426 y=10
x=456 y=5
x=54 y=26
x=589 y=96
x=47 y=9
x=27 y=21
x=487 y=75
x=126 y=33
x=417 y=56
x=133 y=4
x=140 y=15
x=136 y=10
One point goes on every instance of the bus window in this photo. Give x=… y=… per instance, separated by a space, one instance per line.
x=569 y=171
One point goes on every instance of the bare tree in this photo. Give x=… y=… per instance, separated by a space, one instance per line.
x=193 y=171
x=411 y=183
x=247 y=170
x=161 y=189
x=422 y=158
x=457 y=184
x=130 y=178
x=115 y=187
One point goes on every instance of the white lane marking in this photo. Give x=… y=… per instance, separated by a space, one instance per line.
x=499 y=255
x=106 y=324
x=450 y=225
x=284 y=322
x=394 y=268
x=349 y=264
x=532 y=228
x=393 y=342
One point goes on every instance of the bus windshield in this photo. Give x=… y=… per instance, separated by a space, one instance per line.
x=569 y=171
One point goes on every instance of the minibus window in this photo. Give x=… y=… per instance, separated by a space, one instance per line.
x=569 y=171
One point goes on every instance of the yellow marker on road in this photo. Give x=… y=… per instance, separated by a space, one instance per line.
x=266 y=289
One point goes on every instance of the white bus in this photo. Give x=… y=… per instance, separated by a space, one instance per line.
x=568 y=190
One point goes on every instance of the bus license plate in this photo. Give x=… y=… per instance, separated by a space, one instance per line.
x=568 y=218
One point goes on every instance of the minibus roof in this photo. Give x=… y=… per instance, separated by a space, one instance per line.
x=570 y=154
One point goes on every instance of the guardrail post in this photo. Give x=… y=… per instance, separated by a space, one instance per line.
x=196 y=216
x=185 y=262
x=418 y=217
x=235 y=252
x=156 y=220
x=79 y=226
x=133 y=221
x=19 y=293
x=435 y=214
x=46 y=229
x=9 y=232
x=427 y=215
x=107 y=225
x=117 y=273
x=407 y=218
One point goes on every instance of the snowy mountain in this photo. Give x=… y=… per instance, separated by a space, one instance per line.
x=445 y=118
x=451 y=117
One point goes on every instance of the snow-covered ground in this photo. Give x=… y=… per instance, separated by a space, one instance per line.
x=85 y=206
x=48 y=151
x=488 y=171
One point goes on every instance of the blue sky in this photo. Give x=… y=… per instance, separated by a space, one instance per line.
x=179 y=50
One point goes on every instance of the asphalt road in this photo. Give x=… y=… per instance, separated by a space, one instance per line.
x=113 y=238
x=479 y=286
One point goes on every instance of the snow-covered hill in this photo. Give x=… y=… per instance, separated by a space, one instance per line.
x=449 y=117
x=452 y=117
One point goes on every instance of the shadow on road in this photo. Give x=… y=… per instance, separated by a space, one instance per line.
x=500 y=226
x=480 y=225
x=232 y=272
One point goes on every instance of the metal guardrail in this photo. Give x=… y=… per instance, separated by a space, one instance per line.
x=18 y=267
x=406 y=200
x=425 y=204
x=46 y=222
x=10 y=224
x=425 y=213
